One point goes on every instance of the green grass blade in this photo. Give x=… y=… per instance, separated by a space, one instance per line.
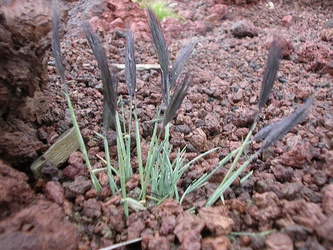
x=83 y=149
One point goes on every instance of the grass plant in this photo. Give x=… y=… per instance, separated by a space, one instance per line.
x=159 y=175
x=270 y=134
x=61 y=72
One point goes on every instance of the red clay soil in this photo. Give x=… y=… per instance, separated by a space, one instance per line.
x=289 y=194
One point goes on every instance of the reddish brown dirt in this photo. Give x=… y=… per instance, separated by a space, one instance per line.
x=291 y=189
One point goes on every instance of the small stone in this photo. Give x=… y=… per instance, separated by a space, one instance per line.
x=307 y=214
x=286 y=21
x=150 y=242
x=277 y=241
x=244 y=28
x=215 y=221
x=240 y=2
x=188 y=230
x=221 y=10
x=198 y=139
x=202 y=27
x=297 y=232
x=92 y=208
x=327 y=35
x=78 y=187
x=325 y=229
x=282 y=174
x=76 y=169
x=54 y=191
x=327 y=204
x=134 y=229
x=216 y=243
x=167 y=207
x=238 y=96
x=298 y=156
x=168 y=224
x=212 y=124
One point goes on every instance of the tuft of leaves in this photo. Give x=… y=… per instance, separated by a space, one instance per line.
x=274 y=132
x=273 y=61
x=108 y=79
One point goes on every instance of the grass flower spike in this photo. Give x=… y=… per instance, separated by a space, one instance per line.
x=274 y=132
x=162 y=52
x=130 y=66
x=179 y=63
x=274 y=56
x=177 y=99
x=56 y=42
x=108 y=79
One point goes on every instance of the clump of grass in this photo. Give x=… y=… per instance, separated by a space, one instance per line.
x=159 y=172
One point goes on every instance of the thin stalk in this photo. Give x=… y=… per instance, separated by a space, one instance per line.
x=112 y=183
x=232 y=175
x=121 y=152
x=139 y=152
x=203 y=179
x=83 y=149
x=150 y=160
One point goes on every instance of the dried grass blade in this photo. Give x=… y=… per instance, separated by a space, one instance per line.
x=273 y=61
x=130 y=66
x=177 y=98
x=109 y=81
x=180 y=61
x=286 y=124
x=162 y=51
x=56 y=41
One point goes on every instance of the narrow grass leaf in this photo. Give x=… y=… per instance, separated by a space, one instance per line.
x=180 y=61
x=285 y=125
x=109 y=81
x=130 y=66
x=205 y=177
x=56 y=41
x=274 y=56
x=83 y=148
x=232 y=174
x=162 y=52
x=177 y=98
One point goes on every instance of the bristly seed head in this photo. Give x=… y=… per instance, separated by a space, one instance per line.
x=130 y=66
x=272 y=66
x=108 y=79
x=56 y=43
x=180 y=61
x=177 y=98
x=274 y=132
x=162 y=52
